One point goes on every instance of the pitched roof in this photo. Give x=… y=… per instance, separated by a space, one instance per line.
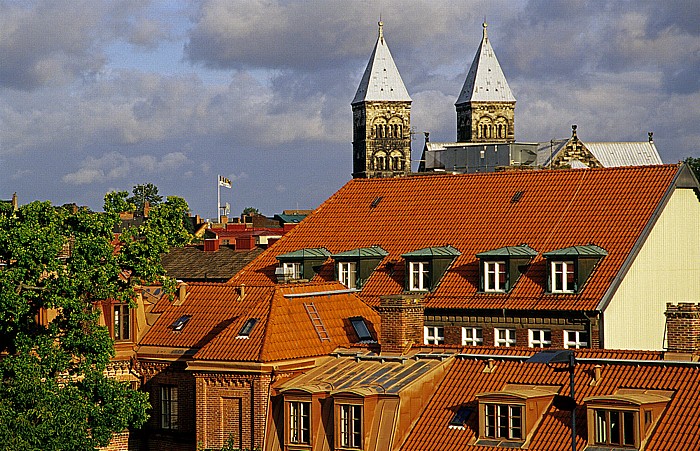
x=485 y=80
x=284 y=327
x=192 y=263
x=678 y=427
x=475 y=213
x=612 y=154
x=381 y=80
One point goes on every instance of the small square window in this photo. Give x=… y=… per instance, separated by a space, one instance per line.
x=461 y=416
x=504 y=337
x=472 y=336
x=575 y=339
x=180 y=323
x=540 y=338
x=433 y=335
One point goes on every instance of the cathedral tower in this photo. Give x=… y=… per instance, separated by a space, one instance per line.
x=486 y=106
x=381 y=112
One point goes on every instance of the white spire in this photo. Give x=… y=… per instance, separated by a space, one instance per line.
x=485 y=81
x=381 y=80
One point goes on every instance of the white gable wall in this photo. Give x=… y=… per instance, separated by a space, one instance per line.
x=667 y=269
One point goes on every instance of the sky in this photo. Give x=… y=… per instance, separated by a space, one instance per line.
x=97 y=96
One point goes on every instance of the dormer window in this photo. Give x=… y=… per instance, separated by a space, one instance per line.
x=626 y=418
x=300 y=265
x=354 y=267
x=570 y=268
x=425 y=267
x=500 y=268
x=509 y=417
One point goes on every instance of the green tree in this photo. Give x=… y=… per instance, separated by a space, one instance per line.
x=251 y=211
x=118 y=202
x=54 y=394
x=142 y=194
x=694 y=164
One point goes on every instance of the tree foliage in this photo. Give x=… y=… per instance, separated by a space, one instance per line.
x=142 y=194
x=57 y=264
x=694 y=164
x=251 y=211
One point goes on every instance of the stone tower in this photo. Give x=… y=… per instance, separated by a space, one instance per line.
x=381 y=112
x=486 y=106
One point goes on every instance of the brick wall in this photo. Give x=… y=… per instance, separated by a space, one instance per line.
x=232 y=406
x=122 y=442
x=402 y=322
x=683 y=328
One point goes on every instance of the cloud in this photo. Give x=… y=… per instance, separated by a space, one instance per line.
x=115 y=166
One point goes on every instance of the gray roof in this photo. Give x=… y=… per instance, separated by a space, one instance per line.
x=363 y=252
x=588 y=250
x=309 y=253
x=509 y=251
x=485 y=80
x=440 y=251
x=381 y=80
x=192 y=263
x=611 y=154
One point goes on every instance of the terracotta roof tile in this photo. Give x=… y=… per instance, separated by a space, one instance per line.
x=474 y=213
x=678 y=428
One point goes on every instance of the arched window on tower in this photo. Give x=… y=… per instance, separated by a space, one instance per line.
x=380 y=161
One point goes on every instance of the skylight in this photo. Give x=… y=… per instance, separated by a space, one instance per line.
x=179 y=324
x=361 y=329
x=461 y=417
x=247 y=328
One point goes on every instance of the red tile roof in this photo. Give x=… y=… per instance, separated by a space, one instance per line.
x=678 y=428
x=284 y=329
x=474 y=213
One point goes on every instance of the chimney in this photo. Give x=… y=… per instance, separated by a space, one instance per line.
x=490 y=366
x=597 y=375
x=241 y=292
x=146 y=208
x=245 y=243
x=402 y=322
x=682 y=331
x=211 y=244
x=15 y=204
x=223 y=219
x=181 y=293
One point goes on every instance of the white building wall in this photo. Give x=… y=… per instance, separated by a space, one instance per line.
x=667 y=269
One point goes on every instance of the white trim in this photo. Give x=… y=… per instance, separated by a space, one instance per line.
x=508 y=340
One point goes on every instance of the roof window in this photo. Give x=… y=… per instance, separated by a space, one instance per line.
x=361 y=329
x=501 y=268
x=425 y=267
x=247 y=328
x=180 y=323
x=459 y=420
x=570 y=267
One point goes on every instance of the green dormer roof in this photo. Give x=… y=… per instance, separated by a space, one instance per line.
x=433 y=252
x=362 y=252
x=509 y=251
x=303 y=254
x=589 y=250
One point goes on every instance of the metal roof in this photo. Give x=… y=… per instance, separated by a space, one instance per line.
x=442 y=251
x=363 y=252
x=509 y=251
x=485 y=80
x=612 y=154
x=318 y=252
x=381 y=80
x=589 y=250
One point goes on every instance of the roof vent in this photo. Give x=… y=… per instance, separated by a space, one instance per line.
x=376 y=201
x=516 y=197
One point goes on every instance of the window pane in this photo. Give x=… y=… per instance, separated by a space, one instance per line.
x=490 y=421
x=503 y=421
x=614 y=427
x=601 y=427
x=628 y=428
x=515 y=422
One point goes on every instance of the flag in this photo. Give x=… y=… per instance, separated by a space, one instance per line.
x=223 y=181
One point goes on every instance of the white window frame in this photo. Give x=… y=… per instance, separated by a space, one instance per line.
x=495 y=268
x=292 y=269
x=350 y=421
x=419 y=274
x=433 y=335
x=536 y=338
x=508 y=340
x=559 y=271
x=347 y=274
x=496 y=414
x=472 y=336
x=578 y=342
x=299 y=422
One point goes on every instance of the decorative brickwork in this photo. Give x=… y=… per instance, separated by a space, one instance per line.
x=575 y=150
x=232 y=407
x=402 y=322
x=683 y=328
x=486 y=122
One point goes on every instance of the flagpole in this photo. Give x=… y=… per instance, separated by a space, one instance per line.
x=218 y=199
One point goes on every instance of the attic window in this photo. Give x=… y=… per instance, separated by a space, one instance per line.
x=501 y=268
x=361 y=329
x=247 y=328
x=570 y=268
x=461 y=416
x=179 y=324
x=516 y=197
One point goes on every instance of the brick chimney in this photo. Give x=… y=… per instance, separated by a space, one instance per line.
x=211 y=244
x=683 y=331
x=402 y=322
